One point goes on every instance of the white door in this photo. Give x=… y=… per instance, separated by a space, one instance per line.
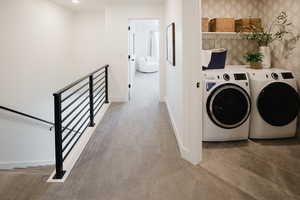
x=131 y=60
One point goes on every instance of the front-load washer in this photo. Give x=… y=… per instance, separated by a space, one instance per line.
x=275 y=104
x=227 y=106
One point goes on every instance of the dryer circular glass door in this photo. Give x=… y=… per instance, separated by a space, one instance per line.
x=229 y=106
x=278 y=104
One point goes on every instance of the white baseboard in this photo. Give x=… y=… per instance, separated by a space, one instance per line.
x=79 y=147
x=185 y=153
x=25 y=164
x=118 y=99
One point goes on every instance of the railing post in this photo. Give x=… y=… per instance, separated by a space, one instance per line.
x=91 y=89
x=106 y=84
x=58 y=137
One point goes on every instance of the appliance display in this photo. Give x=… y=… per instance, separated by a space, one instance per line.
x=227 y=106
x=276 y=104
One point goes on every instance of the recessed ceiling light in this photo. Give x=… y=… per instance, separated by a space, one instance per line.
x=75 y=1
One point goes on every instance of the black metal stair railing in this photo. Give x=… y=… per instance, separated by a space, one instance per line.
x=26 y=115
x=75 y=108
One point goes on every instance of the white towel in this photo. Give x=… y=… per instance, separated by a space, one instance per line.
x=206 y=57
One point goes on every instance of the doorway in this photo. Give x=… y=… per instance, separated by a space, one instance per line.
x=143 y=55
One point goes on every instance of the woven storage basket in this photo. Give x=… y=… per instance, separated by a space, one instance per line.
x=205 y=24
x=222 y=25
x=255 y=65
x=247 y=24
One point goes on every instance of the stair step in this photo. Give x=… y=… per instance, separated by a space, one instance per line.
x=42 y=170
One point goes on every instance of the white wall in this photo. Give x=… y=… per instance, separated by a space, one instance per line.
x=182 y=97
x=192 y=43
x=35 y=55
x=117 y=18
x=89 y=41
x=174 y=75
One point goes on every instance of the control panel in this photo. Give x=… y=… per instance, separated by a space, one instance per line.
x=226 y=76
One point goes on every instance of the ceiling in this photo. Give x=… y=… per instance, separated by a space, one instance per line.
x=100 y=4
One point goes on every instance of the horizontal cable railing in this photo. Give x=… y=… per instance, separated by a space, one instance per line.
x=75 y=108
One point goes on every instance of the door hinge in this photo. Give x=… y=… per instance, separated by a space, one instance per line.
x=129 y=28
x=129 y=57
x=129 y=86
x=198 y=85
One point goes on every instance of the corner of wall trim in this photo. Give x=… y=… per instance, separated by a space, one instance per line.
x=185 y=153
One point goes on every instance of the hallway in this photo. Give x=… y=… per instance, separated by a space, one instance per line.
x=133 y=155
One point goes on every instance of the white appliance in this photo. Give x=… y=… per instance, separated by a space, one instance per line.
x=275 y=104
x=227 y=105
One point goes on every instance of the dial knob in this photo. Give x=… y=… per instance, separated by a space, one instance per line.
x=226 y=77
x=275 y=76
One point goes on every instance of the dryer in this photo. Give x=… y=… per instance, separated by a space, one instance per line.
x=227 y=106
x=275 y=104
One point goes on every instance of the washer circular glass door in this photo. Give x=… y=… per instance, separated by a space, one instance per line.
x=278 y=104
x=229 y=106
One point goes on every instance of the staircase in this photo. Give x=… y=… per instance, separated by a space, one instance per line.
x=20 y=182
x=75 y=109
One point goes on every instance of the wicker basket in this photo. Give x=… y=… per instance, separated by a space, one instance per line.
x=247 y=24
x=255 y=65
x=205 y=24
x=222 y=25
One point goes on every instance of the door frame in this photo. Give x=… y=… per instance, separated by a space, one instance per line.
x=131 y=39
x=161 y=60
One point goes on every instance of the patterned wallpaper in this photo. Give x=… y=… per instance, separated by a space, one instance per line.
x=284 y=54
x=230 y=8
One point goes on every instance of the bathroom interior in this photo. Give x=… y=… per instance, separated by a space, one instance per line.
x=145 y=46
x=232 y=54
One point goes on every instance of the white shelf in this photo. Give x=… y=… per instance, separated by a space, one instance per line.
x=223 y=35
x=220 y=33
